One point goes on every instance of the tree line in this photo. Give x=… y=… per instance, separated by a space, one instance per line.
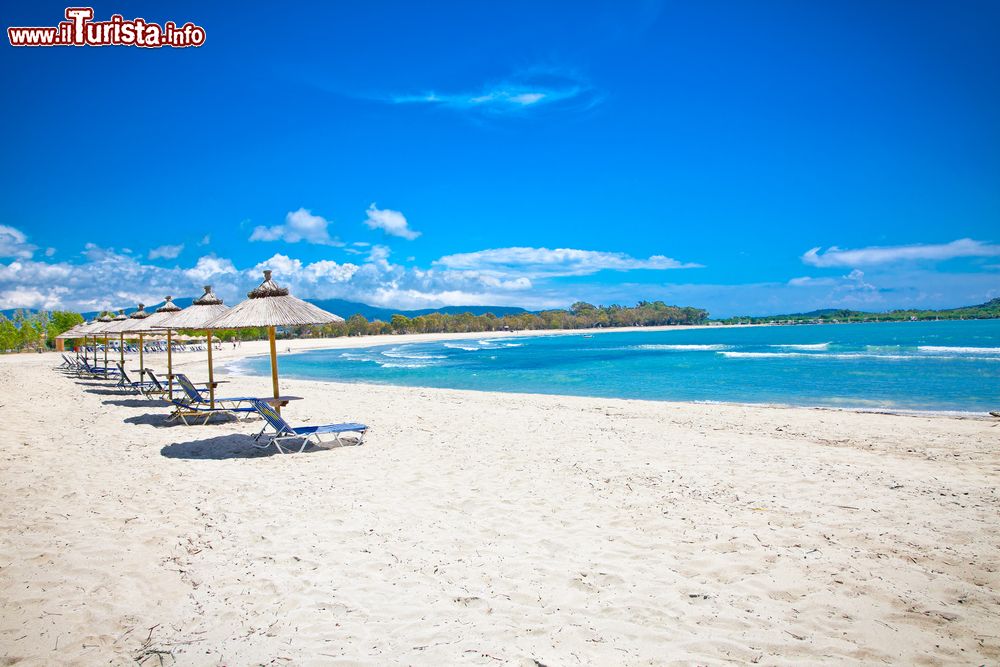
x=24 y=330
x=581 y=315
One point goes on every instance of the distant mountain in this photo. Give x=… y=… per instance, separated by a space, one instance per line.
x=988 y=310
x=347 y=308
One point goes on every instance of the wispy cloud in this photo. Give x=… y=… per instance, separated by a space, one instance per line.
x=391 y=222
x=874 y=255
x=14 y=243
x=166 y=251
x=546 y=262
x=534 y=89
x=529 y=277
x=300 y=225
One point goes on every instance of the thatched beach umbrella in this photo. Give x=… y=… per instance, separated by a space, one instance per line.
x=115 y=327
x=162 y=317
x=81 y=330
x=271 y=306
x=198 y=315
x=116 y=324
x=105 y=319
x=136 y=323
x=93 y=328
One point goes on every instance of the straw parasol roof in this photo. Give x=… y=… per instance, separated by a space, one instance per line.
x=136 y=322
x=202 y=310
x=271 y=306
x=82 y=329
x=163 y=315
x=75 y=331
x=117 y=322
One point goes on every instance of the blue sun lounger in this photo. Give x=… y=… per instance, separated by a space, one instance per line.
x=193 y=403
x=106 y=372
x=147 y=389
x=283 y=432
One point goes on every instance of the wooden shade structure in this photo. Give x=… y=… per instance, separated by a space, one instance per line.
x=135 y=323
x=163 y=315
x=197 y=316
x=105 y=319
x=113 y=327
x=271 y=306
x=81 y=330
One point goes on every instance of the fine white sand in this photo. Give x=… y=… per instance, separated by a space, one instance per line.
x=488 y=529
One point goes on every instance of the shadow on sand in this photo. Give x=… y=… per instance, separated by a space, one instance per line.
x=233 y=446
x=162 y=419
x=105 y=392
x=137 y=403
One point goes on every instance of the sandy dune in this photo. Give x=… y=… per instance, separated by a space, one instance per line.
x=487 y=528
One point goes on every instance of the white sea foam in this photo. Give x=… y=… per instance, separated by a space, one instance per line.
x=497 y=342
x=853 y=355
x=803 y=346
x=682 y=348
x=403 y=364
x=763 y=355
x=947 y=349
x=399 y=353
x=462 y=346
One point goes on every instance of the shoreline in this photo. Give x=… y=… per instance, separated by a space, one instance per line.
x=527 y=527
x=225 y=362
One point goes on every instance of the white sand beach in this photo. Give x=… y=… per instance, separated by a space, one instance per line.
x=481 y=528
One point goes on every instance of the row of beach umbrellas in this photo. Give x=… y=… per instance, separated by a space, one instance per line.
x=267 y=306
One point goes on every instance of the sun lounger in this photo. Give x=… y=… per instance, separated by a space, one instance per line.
x=105 y=372
x=192 y=403
x=231 y=403
x=283 y=432
x=147 y=389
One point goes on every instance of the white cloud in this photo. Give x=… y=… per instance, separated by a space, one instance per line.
x=14 y=243
x=210 y=267
x=545 y=262
x=300 y=225
x=27 y=297
x=205 y=240
x=330 y=271
x=102 y=278
x=294 y=271
x=166 y=251
x=874 y=255
x=391 y=222
x=808 y=281
x=280 y=264
x=535 y=88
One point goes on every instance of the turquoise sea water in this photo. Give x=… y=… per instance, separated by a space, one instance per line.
x=937 y=366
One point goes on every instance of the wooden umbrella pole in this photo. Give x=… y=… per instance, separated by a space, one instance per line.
x=211 y=373
x=274 y=366
x=170 y=367
x=121 y=349
x=105 y=350
x=142 y=368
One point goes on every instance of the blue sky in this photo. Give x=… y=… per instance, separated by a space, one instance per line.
x=744 y=157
